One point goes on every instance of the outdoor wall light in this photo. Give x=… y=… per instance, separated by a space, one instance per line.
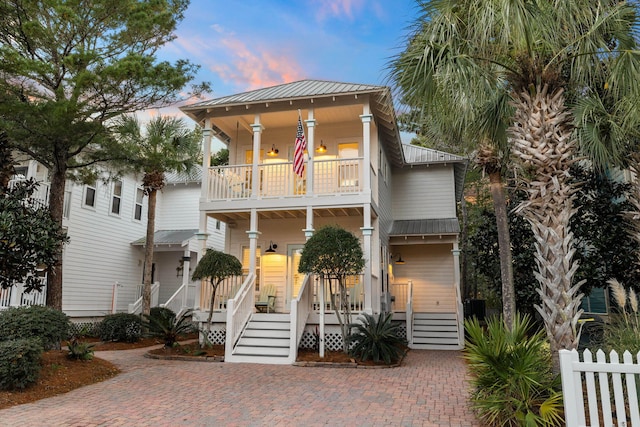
x=273 y=152
x=399 y=260
x=272 y=248
x=322 y=148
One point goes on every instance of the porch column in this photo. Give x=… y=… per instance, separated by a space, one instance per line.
x=206 y=160
x=255 y=167
x=456 y=277
x=253 y=234
x=308 y=232
x=366 y=118
x=186 y=265
x=367 y=231
x=202 y=236
x=311 y=124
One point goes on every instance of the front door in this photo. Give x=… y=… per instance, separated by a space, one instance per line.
x=294 y=279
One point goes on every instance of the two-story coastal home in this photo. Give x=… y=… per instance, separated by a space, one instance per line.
x=106 y=223
x=400 y=201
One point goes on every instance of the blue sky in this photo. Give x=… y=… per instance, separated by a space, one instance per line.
x=244 y=45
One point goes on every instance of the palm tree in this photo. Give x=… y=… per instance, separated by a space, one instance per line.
x=474 y=124
x=532 y=53
x=167 y=145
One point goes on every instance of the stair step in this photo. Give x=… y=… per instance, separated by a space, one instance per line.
x=441 y=340
x=441 y=316
x=264 y=342
x=435 y=334
x=261 y=351
x=282 y=326
x=273 y=317
x=439 y=328
x=264 y=333
x=434 y=322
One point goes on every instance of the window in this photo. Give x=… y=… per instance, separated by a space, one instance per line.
x=90 y=195
x=137 y=212
x=218 y=224
x=116 y=197
x=66 y=207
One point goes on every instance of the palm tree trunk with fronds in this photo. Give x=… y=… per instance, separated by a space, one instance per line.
x=544 y=148
x=488 y=159
x=148 y=252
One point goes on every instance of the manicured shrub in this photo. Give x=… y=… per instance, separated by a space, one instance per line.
x=49 y=325
x=376 y=339
x=120 y=327
x=165 y=325
x=19 y=363
x=511 y=374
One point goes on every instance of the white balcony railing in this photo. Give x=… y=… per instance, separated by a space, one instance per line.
x=336 y=176
x=39 y=198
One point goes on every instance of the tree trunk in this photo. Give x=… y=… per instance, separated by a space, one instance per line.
x=56 y=206
x=496 y=187
x=543 y=144
x=148 y=252
x=213 y=298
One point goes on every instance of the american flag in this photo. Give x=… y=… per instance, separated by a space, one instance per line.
x=301 y=145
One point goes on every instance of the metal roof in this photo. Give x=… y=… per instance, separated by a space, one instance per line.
x=425 y=227
x=416 y=155
x=168 y=237
x=380 y=100
x=195 y=175
x=295 y=90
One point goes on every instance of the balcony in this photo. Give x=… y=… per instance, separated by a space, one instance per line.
x=277 y=180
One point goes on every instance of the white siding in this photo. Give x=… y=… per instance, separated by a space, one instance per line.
x=424 y=193
x=431 y=269
x=99 y=252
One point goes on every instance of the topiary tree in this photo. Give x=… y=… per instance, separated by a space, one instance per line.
x=334 y=253
x=215 y=266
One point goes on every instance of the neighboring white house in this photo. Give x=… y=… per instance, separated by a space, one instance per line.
x=399 y=200
x=106 y=224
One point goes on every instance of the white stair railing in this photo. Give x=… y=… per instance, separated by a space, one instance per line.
x=136 y=307
x=239 y=310
x=300 y=309
x=182 y=299
x=410 y=312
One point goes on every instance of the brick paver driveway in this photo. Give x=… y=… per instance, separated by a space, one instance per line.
x=430 y=389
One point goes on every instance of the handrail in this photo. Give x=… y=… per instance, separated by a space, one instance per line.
x=136 y=307
x=300 y=309
x=178 y=302
x=410 y=312
x=330 y=176
x=459 y=319
x=239 y=310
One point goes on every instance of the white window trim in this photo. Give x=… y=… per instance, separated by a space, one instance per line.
x=94 y=187
x=113 y=196
x=135 y=205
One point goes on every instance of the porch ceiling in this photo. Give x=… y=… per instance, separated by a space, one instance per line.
x=231 y=217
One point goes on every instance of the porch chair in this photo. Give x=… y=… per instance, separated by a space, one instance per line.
x=355 y=295
x=267 y=299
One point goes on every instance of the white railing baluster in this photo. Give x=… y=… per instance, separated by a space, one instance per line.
x=239 y=310
x=334 y=176
x=625 y=396
x=300 y=309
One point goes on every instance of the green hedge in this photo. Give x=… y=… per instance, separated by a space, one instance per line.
x=50 y=325
x=120 y=327
x=19 y=363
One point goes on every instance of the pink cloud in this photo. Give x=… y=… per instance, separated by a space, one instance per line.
x=339 y=8
x=257 y=68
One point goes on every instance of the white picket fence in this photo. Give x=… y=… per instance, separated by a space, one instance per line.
x=595 y=379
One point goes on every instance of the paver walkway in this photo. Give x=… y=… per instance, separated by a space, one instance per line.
x=429 y=389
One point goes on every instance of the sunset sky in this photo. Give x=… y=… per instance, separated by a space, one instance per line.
x=244 y=45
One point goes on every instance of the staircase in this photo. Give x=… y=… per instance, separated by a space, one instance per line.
x=266 y=339
x=436 y=331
